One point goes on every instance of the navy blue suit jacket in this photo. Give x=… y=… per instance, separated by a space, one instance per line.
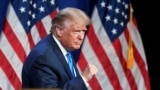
x=46 y=67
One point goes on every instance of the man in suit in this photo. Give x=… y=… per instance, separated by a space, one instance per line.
x=47 y=64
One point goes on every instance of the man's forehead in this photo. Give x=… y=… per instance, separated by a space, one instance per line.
x=79 y=26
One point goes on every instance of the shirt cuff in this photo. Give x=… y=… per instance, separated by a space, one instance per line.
x=86 y=83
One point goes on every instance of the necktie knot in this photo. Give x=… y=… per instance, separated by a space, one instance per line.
x=70 y=63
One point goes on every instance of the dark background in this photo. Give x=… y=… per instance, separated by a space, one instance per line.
x=146 y=13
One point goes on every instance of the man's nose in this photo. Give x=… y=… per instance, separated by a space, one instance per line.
x=81 y=35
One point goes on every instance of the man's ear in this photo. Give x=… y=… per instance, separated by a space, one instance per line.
x=58 y=31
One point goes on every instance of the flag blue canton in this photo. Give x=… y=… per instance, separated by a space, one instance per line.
x=3 y=10
x=31 y=11
x=114 y=15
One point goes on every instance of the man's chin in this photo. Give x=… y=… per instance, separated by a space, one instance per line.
x=77 y=47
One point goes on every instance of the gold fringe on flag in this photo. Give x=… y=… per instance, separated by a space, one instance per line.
x=130 y=58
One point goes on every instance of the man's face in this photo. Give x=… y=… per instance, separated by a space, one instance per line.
x=73 y=35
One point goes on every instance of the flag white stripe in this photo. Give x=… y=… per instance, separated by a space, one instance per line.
x=18 y=28
x=5 y=85
x=12 y=58
x=138 y=77
x=35 y=34
x=47 y=23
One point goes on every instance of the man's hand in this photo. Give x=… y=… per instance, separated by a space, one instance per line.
x=89 y=72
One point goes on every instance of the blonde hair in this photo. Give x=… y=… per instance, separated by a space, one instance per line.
x=72 y=14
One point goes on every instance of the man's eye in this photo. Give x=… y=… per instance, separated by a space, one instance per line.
x=76 y=31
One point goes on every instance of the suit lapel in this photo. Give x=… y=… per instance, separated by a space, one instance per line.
x=76 y=69
x=59 y=54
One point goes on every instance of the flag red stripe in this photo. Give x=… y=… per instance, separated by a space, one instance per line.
x=30 y=39
x=9 y=72
x=129 y=76
x=140 y=62
x=13 y=40
x=53 y=14
x=103 y=59
x=93 y=82
x=41 y=30
x=82 y=62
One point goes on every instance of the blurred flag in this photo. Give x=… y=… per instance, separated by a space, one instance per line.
x=106 y=44
x=26 y=22
x=114 y=44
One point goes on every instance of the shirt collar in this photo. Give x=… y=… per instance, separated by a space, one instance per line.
x=64 y=51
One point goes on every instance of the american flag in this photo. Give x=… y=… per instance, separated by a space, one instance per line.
x=106 y=44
